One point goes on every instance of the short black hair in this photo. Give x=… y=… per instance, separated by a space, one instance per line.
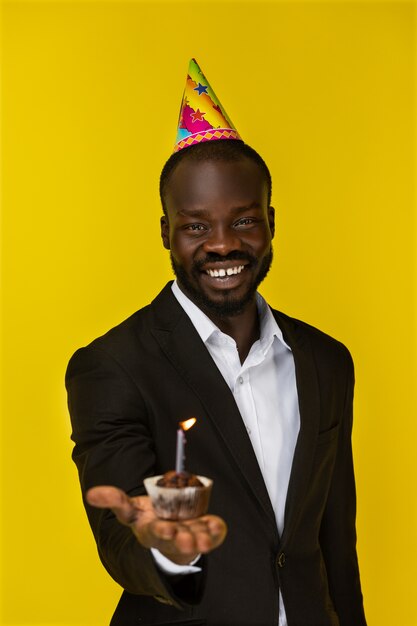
x=220 y=150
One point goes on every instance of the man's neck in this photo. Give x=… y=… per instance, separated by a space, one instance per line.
x=243 y=328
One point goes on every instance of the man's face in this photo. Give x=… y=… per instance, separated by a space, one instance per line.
x=219 y=229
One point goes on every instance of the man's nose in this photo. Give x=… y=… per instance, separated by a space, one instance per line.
x=222 y=240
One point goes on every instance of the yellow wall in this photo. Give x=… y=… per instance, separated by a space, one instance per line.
x=91 y=91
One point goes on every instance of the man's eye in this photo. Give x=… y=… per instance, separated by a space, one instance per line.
x=195 y=227
x=245 y=221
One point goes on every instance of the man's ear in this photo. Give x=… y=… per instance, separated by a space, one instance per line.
x=271 y=219
x=165 y=232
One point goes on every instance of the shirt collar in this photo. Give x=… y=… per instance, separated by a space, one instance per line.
x=269 y=328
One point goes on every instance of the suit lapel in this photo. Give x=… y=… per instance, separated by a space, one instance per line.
x=183 y=346
x=309 y=405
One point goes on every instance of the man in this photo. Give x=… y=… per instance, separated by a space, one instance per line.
x=273 y=401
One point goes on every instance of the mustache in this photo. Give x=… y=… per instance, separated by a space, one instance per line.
x=213 y=257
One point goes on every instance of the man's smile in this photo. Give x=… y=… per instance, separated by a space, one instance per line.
x=226 y=274
x=222 y=272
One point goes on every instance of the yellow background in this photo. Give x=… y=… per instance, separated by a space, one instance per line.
x=90 y=98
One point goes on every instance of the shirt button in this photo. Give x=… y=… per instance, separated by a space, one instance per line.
x=281 y=560
x=240 y=379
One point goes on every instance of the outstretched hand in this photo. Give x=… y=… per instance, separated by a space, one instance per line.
x=180 y=541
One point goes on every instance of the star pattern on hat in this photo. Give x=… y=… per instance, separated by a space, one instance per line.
x=198 y=116
x=201 y=89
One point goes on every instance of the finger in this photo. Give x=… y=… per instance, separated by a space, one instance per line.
x=206 y=538
x=155 y=533
x=195 y=538
x=185 y=540
x=213 y=525
x=217 y=527
x=169 y=537
x=167 y=530
x=105 y=497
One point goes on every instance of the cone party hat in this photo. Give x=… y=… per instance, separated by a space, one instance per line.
x=202 y=117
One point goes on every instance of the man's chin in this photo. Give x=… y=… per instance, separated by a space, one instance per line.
x=224 y=304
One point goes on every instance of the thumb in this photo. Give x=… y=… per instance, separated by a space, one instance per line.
x=107 y=497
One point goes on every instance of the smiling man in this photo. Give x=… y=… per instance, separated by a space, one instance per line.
x=273 y=400
x=219 y=225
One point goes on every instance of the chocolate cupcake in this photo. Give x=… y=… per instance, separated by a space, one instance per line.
x=179 y=495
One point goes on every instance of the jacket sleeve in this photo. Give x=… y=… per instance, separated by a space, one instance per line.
x=114 y=446
x=338 y=532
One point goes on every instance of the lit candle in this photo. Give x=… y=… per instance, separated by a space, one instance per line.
x=181 y=441
x=179 y=458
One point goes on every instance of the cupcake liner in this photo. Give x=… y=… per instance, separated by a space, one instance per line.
x=183 y=503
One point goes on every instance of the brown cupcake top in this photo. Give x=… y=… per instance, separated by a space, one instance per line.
x=179 y=480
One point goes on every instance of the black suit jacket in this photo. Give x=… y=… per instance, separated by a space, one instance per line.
x=127 y=392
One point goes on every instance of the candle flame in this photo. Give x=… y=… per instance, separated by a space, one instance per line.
x=188 y=423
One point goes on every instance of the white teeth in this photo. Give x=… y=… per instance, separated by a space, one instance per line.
x=221 y=273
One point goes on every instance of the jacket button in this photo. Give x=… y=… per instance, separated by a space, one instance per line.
x=281 y=560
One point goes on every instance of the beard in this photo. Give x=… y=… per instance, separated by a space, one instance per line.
x=229 y=305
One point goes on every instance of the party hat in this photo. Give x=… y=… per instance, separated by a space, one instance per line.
x=202 y=117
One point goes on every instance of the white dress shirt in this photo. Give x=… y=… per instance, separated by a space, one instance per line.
x=264 y=388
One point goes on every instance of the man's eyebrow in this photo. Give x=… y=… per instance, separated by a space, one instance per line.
x=193 y=213
x=249 y=207
x=204 y=213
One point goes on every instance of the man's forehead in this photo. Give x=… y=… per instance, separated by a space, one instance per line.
x=232 y=194
x=189 y=170
x=211 y=179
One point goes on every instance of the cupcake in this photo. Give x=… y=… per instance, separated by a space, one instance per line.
x=179 y=495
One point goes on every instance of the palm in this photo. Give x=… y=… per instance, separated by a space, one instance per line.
x=180 y=541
